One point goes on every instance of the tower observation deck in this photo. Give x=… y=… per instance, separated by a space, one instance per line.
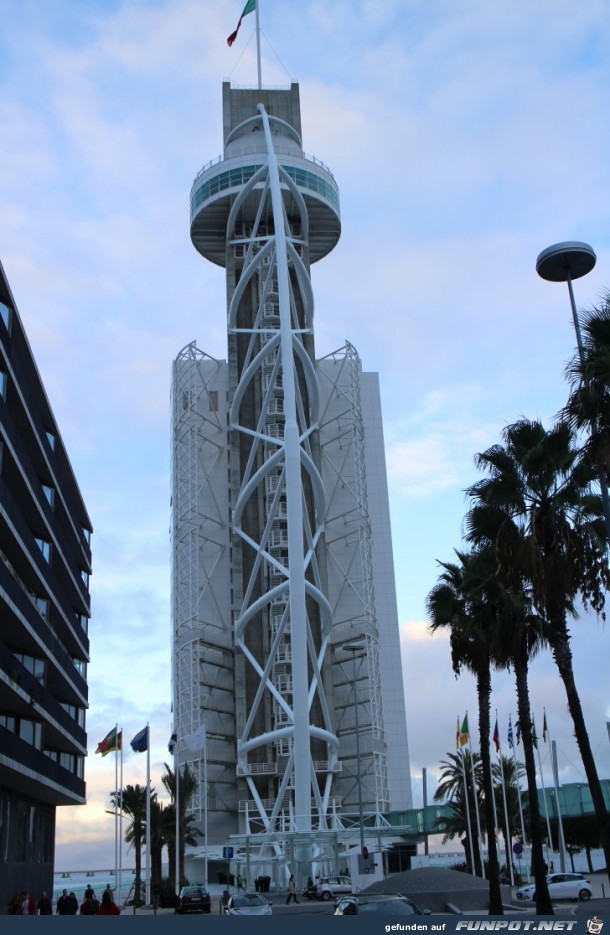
x=218 y=182
x=274 y=551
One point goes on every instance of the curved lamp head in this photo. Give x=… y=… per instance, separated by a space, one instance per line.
x=569 y=260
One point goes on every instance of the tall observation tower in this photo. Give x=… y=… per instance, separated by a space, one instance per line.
x=281 y=548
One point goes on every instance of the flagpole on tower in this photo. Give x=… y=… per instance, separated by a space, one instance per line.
x=258 y=46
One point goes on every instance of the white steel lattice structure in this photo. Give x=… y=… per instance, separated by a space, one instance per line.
x=275 y=551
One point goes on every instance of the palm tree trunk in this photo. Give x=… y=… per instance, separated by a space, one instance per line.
x=562 y=654
x=484 y=694
x=543 y=900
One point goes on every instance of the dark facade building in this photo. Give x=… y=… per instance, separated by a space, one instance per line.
x=45 y=563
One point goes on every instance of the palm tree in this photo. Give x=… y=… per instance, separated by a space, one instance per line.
x=456 y=788
x=188 y=835
x=538 y=479
x=588 y=408
x=522 y=634
x=133 y=799
x=461 y=601
x=159 y=822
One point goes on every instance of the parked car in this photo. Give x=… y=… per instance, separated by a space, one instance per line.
x=561 y=886
x=387 y=905
x=247 y=904
x=193 y=898
x=335 y=885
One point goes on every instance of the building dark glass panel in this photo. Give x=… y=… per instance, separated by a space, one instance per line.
x=45 y=563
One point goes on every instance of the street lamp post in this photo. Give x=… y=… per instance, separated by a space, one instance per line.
x=564 y=262
x=354 y=648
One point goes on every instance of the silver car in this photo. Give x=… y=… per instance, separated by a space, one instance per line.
x=333 y=885
x=561 y=886
x=247 y=904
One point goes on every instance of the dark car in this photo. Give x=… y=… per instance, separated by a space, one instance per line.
x=382 y=905
x=194 y=898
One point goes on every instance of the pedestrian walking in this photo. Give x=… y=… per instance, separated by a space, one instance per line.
x=45 y=907
x=90 y=906
x=292 y=890
x=72 y=905
x=240 y=883
x=108 y=907
x=63 y=904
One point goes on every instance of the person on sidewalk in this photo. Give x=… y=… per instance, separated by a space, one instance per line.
x=292 y=889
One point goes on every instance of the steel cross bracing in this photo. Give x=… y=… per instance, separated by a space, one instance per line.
x=351 y=581
x=286 y=746
x=201 y=637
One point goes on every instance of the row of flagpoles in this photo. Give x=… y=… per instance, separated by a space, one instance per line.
x=113 y=742
x=463 y=738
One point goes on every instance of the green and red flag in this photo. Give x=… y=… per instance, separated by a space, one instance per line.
x=111 y=741
x=249 y=8
x=464 y=733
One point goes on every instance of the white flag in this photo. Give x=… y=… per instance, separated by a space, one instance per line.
x=196 y=740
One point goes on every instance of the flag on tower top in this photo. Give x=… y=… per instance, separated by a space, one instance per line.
x=249 y=8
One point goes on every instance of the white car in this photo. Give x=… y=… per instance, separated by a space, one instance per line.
x=334 y=885
x=561 y=886
x=247 y=904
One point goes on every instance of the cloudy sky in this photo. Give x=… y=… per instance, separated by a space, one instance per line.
x=465 y=138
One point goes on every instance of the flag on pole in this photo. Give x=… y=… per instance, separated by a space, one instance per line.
x=511 y=738
x=139 y=744
x=249 y=8
x=196 y=740
x=173 y=741
x=518 y=731
x=534 y=737
x=457 y=734
x=464 y=733
x=112 y=741
x=545 y=730
x=496 y=737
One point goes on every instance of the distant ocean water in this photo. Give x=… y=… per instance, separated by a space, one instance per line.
x=78 y=882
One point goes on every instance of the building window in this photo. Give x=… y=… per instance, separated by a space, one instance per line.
x=85 y=576
x=51 y=438
x=83 y=621
x=81 y=667
x=34 y=665
x=87 y=535
x=42 y=605
x=45 y=548
x=3 y=379
x=49 y=493
x=6 y=315
x=29 y=731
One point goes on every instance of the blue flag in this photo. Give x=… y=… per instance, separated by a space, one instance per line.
x=140 y=742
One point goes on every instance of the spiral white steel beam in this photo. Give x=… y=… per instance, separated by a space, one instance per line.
x=279 y=468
